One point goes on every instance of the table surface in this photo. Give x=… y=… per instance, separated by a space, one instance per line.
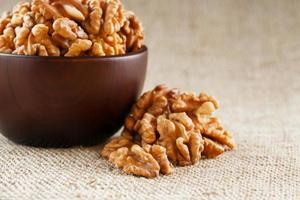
x=247 y=54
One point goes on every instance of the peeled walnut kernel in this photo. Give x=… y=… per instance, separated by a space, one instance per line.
x=159 y=154
x=146 y=128
x=212 y=149
x=112 y=22
x=135 y=161
x=93 y=24
x=182 y=118
x=78 y=47
x=41 y=36
x=65 y=28
x=114 y=145
x=212 y=128
x=21 y=36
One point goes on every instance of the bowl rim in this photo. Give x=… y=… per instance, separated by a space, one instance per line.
x=131 y=54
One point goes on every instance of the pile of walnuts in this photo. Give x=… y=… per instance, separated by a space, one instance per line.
x=70 y=28
x=167 y=128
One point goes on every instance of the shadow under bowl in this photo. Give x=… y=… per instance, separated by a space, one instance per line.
x=64 y=102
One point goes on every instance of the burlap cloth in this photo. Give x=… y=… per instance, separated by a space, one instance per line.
x=247 y=54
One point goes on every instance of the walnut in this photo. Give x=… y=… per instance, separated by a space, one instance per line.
x=159 y=154
x=213 y=129
x=196 y=145
x=28 y=20
x=146 y=128
x=73 y=12
x=183 y=148
x=78 y=47
x=65 y=28
x=41 y=36
x=21 y=36
x=114 y=144
x=113 y=17
x=135 y=161
x=61 y=41
x=3 y=23
x=6 y=40
x=182 y=118
x=167 y=139
x=110 y=45
x=133 y=31
x=212 y=149
x=22 y=8
x=190 y=102
x=16 y=20
x=93 y=24
x=45 y=9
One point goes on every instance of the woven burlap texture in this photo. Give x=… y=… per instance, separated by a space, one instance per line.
x=247 y=54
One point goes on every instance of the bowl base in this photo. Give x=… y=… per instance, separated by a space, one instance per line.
x=58 y=143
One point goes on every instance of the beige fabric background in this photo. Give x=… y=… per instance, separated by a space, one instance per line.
x=246 y=53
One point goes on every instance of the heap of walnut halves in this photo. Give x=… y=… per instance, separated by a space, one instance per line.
x=70 y=28
x=166 y=128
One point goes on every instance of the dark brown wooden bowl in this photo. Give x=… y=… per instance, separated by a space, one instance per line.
x=62 y=102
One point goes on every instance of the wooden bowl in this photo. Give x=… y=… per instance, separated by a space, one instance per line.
x=62 y=102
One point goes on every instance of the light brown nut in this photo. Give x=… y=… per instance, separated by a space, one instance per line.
x=146 y=128
x=16 y=20
x=183 y=149
x=206 y=108
x=98 y=49
x=114 y=144
x=187 y=102
x=206 y=98
x=116 y=42
x=159 y=106
x=212 y=149
x=127 y=134
x=79 y=5
x=41 y=50
x=166 y=129
x=6 y=40
x=3 y=23
x=45 y=9
x=111 y=24
x=135 y=161
x=28 y=20
x=78 y=47
x=60 y=41
x=134 y=33
x=213 y=129
x=41 y=36
x=145 y=100
x=159 y=154
x=93 y=24
x=81 y=33
x=21 y=36
x=73 y=12
x=19 y=50
x=147 y=147
x=184 y=119
x=196 y=146
x=129 y=123
x=21 y=8
x=65 y=28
